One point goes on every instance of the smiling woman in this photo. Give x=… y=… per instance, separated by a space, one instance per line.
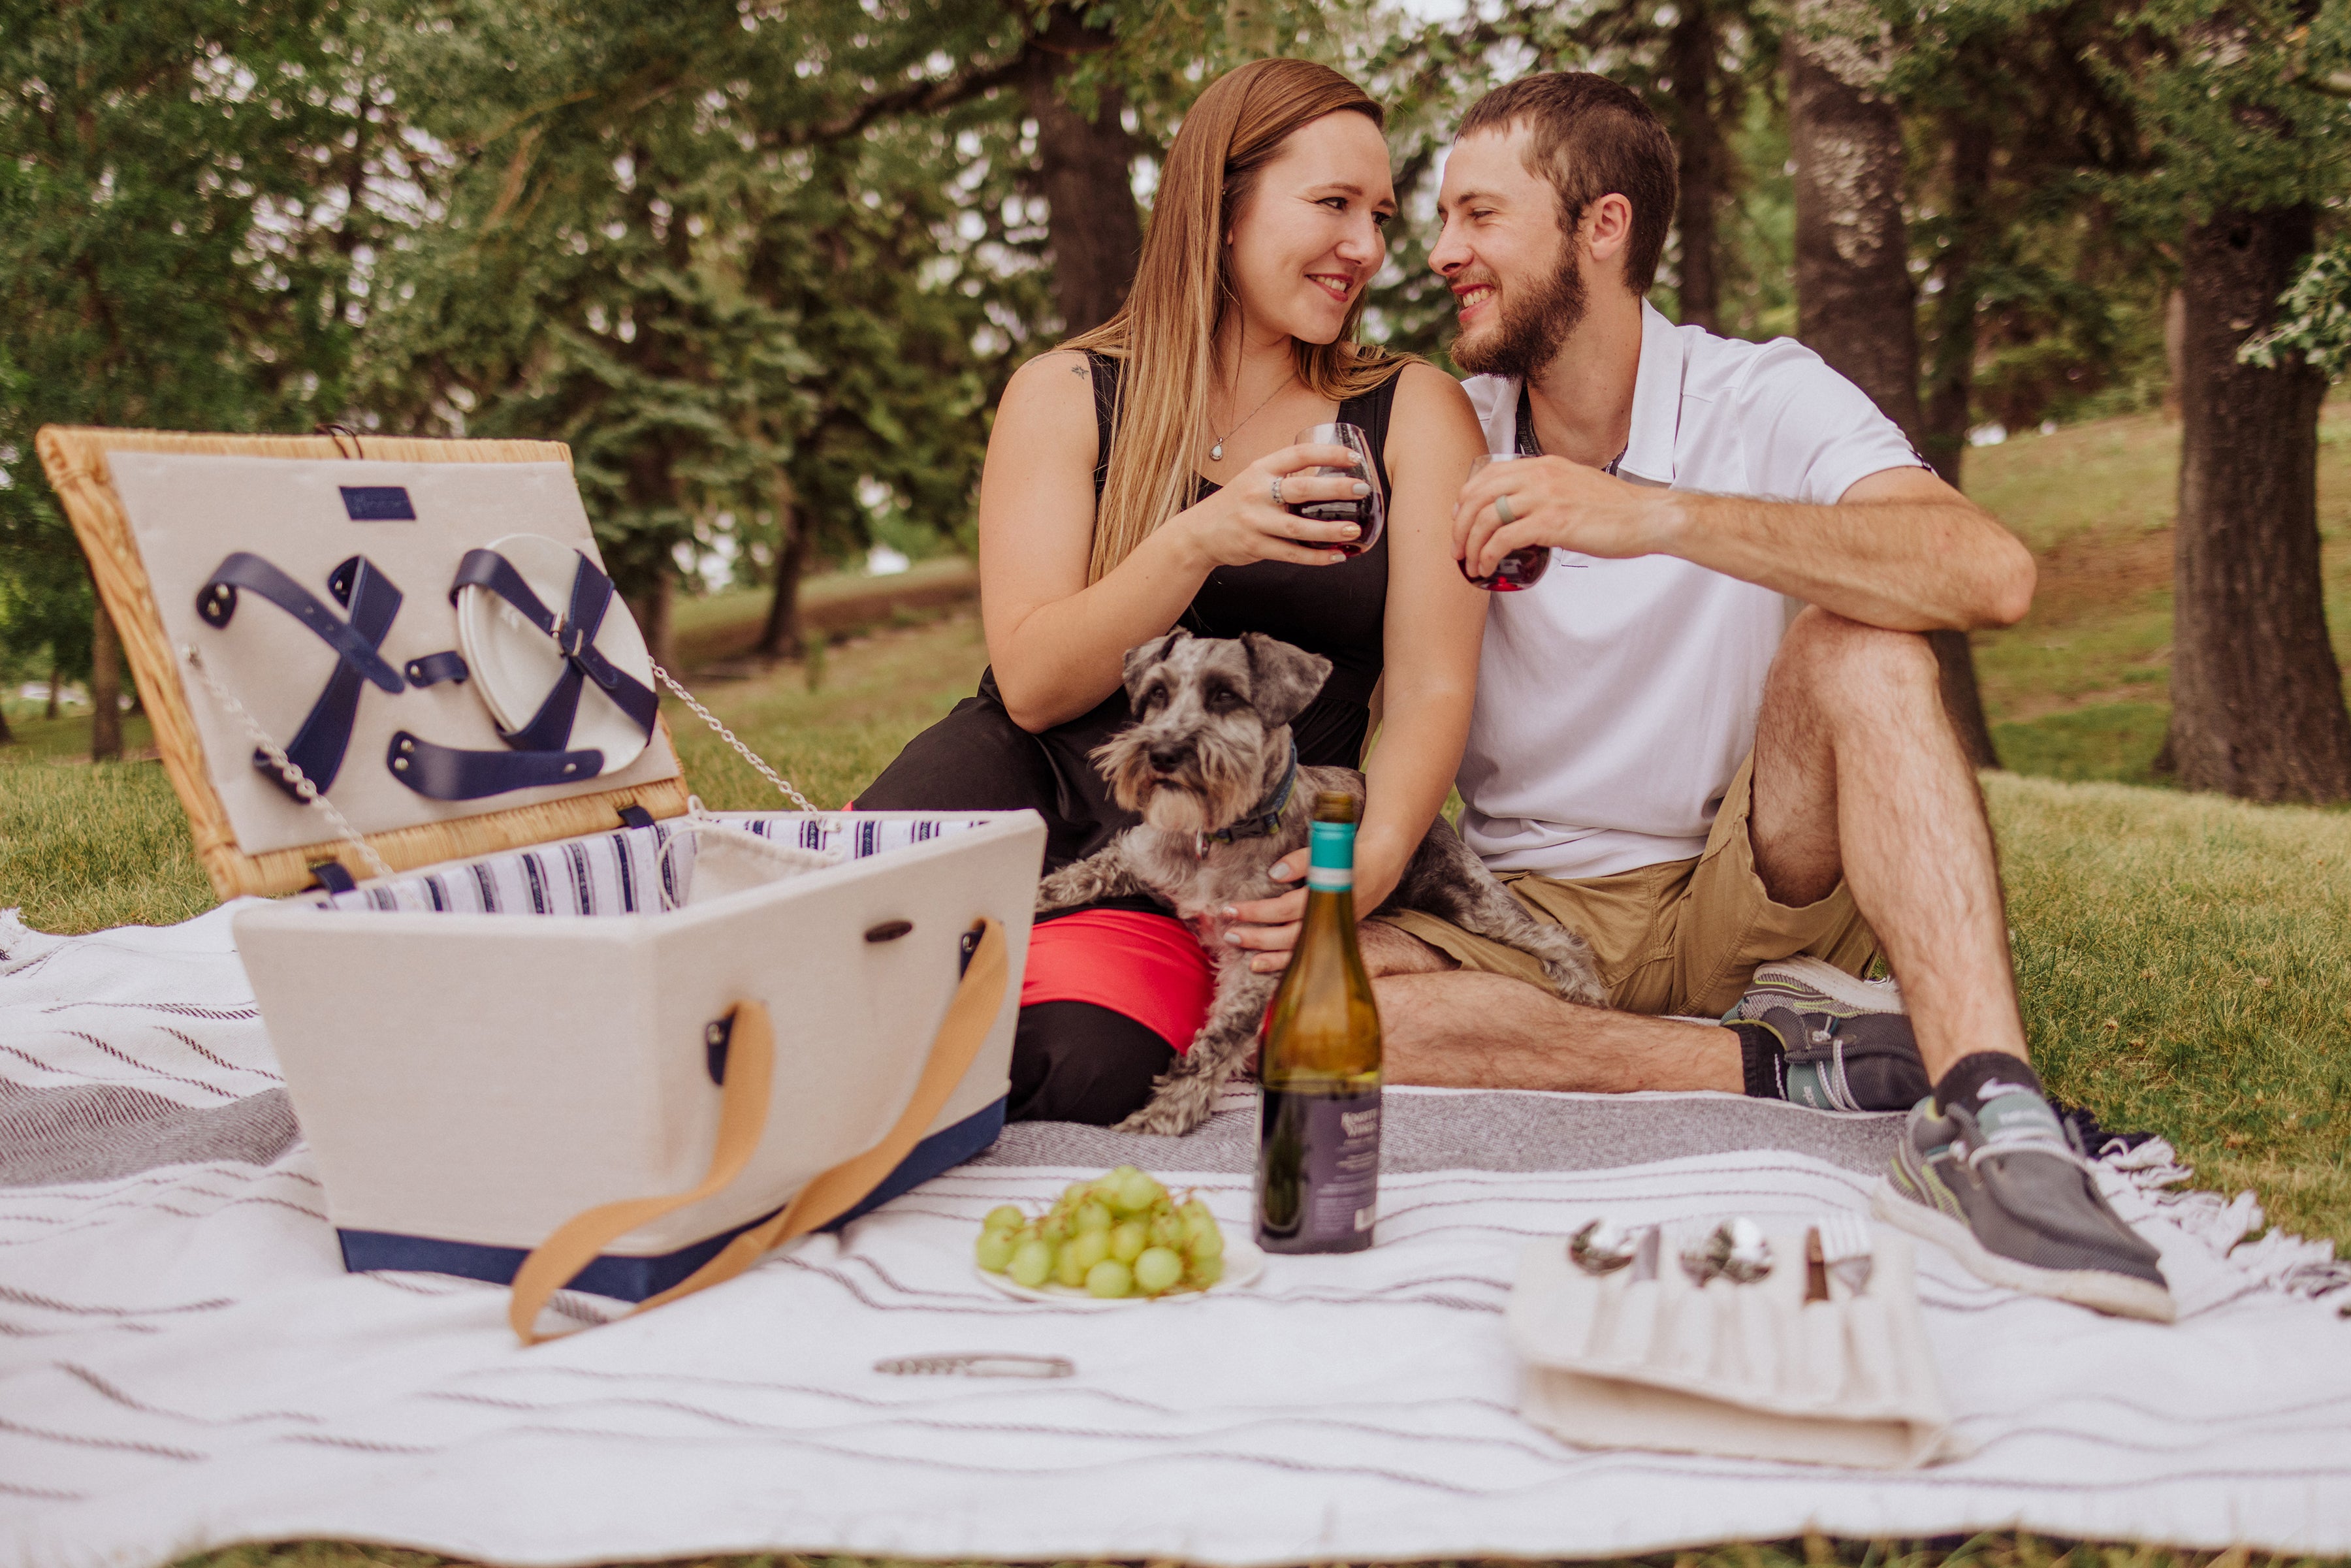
x=1139 y=480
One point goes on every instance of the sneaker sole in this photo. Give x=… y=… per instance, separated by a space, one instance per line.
x=1799 y=979
x=2117 y=1295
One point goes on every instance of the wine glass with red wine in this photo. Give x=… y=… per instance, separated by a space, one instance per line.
x=1364 y=511
x=1522 y=568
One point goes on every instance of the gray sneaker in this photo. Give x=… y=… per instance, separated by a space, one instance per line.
x=1848 y=1043
x=2010 y=1196
x=1816 y=986
x=1865 y=1065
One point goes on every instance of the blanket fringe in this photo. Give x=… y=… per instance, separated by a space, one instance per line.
x=2235 y=1229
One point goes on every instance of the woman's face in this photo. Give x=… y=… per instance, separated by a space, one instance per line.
x=1307 y=239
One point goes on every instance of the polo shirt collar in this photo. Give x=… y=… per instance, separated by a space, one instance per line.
x=1657 y=401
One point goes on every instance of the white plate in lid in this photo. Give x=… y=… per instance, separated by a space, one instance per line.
x=515 y=664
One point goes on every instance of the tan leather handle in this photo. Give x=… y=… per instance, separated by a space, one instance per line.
x=742 y=1119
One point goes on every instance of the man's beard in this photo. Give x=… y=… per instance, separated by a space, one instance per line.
x=1531 y=330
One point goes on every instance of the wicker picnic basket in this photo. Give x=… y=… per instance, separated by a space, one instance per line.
x=542 y=1019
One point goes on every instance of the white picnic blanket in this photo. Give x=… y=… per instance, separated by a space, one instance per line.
x=183 y=1365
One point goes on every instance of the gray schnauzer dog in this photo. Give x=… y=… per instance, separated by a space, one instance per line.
x=1209 y=765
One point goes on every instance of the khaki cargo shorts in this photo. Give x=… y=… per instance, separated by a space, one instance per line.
x=1682 y=938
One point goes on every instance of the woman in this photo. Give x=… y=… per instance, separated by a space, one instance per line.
x=1130 y=489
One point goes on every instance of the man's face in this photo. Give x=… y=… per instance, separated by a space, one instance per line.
x=1514 y=274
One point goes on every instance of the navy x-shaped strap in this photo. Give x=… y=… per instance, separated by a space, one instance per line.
x=318 y=746
x=537 y=755
x=575 y=636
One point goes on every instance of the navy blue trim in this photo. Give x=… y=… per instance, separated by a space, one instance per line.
x=635 y=1279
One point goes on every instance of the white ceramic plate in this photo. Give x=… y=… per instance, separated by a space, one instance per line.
x=1244 y=1261
x=515 y=664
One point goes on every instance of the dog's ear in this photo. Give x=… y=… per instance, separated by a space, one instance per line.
x=1143 y=655
x=1282 y=679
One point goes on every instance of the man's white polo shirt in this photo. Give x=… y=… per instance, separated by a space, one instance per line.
x=1615 y=701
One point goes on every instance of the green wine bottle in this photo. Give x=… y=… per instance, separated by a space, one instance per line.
x=1317 y=1165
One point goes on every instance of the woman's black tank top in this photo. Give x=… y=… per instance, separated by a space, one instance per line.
x=977 y=758
x=1338 y=612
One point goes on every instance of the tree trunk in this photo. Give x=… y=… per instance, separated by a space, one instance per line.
x=105 y=686
x=2257 y=706
x=779 y=638
x=8 y=735
x=2174 y=344
x=1951 y=377
x=1855 y=304
x=652 y=606
x=55 y=675
x=1083 y=173
x=1690 y=51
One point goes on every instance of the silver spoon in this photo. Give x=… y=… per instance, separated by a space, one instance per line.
x=1602 y=1246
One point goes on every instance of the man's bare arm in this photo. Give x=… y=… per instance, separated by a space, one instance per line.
x=1900 y=549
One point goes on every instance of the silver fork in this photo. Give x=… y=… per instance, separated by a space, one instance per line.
x=1849 y=1250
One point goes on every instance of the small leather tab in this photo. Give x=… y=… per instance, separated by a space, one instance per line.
x=332 y=876
x=715 y=1039
x=434 y=668
x=636 y=816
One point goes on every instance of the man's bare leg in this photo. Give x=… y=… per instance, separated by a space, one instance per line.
x=1439 y=1025
x=1859 y=775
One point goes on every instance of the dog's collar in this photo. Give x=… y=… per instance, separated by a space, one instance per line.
x=1263 y=821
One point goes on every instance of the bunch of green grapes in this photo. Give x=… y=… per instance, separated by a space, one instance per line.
x=1118 y=1235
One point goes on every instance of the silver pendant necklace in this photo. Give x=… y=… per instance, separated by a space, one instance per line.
x=1216 y=452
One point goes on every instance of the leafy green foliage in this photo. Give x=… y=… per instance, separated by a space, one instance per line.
x=2316 y=323
x=185 y=188
x=670 y=239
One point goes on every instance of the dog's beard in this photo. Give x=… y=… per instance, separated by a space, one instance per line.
x=1531 y=330
x=1214 y=788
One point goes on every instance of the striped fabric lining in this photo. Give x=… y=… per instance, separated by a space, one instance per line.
x=623 y=872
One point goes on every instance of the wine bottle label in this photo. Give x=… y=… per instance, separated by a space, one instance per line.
x=1331 y=864
x=1318 y=1184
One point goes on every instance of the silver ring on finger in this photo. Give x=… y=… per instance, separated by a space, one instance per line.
x=1502 y=509
x=1277 y=490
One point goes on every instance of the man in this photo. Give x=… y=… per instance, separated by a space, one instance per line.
x=1721 y=741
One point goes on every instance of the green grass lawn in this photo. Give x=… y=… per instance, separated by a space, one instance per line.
x=2081 y=688
x=2185 y=960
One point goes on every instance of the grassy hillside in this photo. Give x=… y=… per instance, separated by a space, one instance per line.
x=2081 y=688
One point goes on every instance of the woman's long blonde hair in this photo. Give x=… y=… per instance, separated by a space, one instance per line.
x=1166 y=330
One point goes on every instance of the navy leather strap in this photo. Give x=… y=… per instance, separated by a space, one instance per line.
x=574 y=635
x=434 y=668
x=318 y=746
x=449 y=773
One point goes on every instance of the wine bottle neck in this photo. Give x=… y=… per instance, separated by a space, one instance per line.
x=1331 y=866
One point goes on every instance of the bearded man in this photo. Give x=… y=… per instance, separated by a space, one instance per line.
x=1711 y=739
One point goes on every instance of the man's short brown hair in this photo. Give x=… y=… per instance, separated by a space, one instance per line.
x=1590 y=136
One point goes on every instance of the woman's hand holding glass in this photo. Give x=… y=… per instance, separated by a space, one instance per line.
x=1246 y=522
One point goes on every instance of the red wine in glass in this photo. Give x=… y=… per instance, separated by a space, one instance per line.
x=1521 y=569
x=1364 y=511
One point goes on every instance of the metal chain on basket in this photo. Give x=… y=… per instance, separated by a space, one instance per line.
x=727 y=735
x=296 y=779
